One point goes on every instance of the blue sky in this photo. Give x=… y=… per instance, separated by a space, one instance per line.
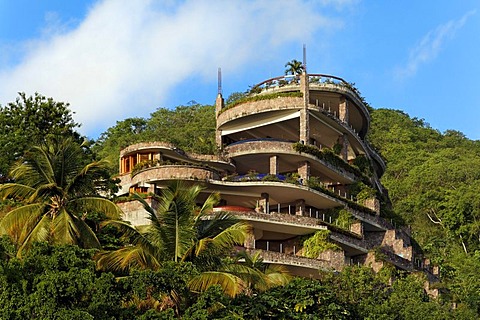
x=115 y=59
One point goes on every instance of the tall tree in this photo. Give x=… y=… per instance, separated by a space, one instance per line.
x=123 y=134
x=26 y=122
x=190 y=128
x=57 y=190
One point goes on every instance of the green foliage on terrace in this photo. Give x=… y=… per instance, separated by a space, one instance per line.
x=362 y=192
x=343 y=219
x=315 y=184
x=330 y=157
x=261 y=97
x=317 y=243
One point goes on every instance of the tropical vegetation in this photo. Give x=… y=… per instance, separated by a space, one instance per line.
x=59 y=190
x=56 y=191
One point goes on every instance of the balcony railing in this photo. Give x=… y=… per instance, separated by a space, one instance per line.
x=293 y=260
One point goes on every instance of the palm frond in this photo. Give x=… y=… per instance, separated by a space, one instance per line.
x=133 y=235
x=125 y=259
x=234 y=235
x=175 y=215
x=277 y=275
x=144 y=203
x=90 y=171
x=20 y=221
x=35 y=169
x=64 y=229
x=68 y=228
x=88 y=204
x=40 y=232
x=251 y=276
x=15 y=190
x=45 y=191
x=207 y=207
x=212 y=224
x=231 y=284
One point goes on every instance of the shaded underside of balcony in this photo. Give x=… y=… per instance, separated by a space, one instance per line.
x=255 y=155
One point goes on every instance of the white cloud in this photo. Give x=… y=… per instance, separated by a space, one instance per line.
x=127 y=56
x=430 y=45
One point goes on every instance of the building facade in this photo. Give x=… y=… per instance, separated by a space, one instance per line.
x=294 y=162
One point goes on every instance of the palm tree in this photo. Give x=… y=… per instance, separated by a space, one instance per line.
x=294 y=67
x=179 y=231
x=182 y=231
x=57 y=189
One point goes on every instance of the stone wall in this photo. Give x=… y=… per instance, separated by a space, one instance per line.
x=281 y=217
x=266 y=146
x=253 y=107
x=292 y=260
x=174 y=172
x=146 y=145
x=336 y=259
x=134 y=212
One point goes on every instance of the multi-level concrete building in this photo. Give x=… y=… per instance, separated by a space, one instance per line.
x=294 y=162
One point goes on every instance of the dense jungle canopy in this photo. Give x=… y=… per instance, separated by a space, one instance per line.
x=433 y=180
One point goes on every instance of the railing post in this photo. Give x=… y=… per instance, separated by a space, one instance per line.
x=268 y=246
x=278 y=205
x=281 y=247
x=294 y=251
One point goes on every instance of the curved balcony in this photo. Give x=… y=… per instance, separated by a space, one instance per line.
x=254 y=107
x=356 y=139
x=299 y=262
x=146 y=146
x=282 y=204
x=324 y=82
x=173 y=172
x=316 y=82
x=154 y=151
x=246 y=193
x=255 y=153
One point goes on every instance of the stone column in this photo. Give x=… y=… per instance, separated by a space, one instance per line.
x=219 y=105
x=262 y=206
x=300 y=207
x=357 y=228
x=249 y=241
x=373 y=204
x=130 y=158
x=343 y=110
x=273 y=165
x=304 y=171
x=151 y=188
x=345 y=144
x=304 y=120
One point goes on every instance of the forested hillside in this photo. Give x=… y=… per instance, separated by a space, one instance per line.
x=433 y=180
